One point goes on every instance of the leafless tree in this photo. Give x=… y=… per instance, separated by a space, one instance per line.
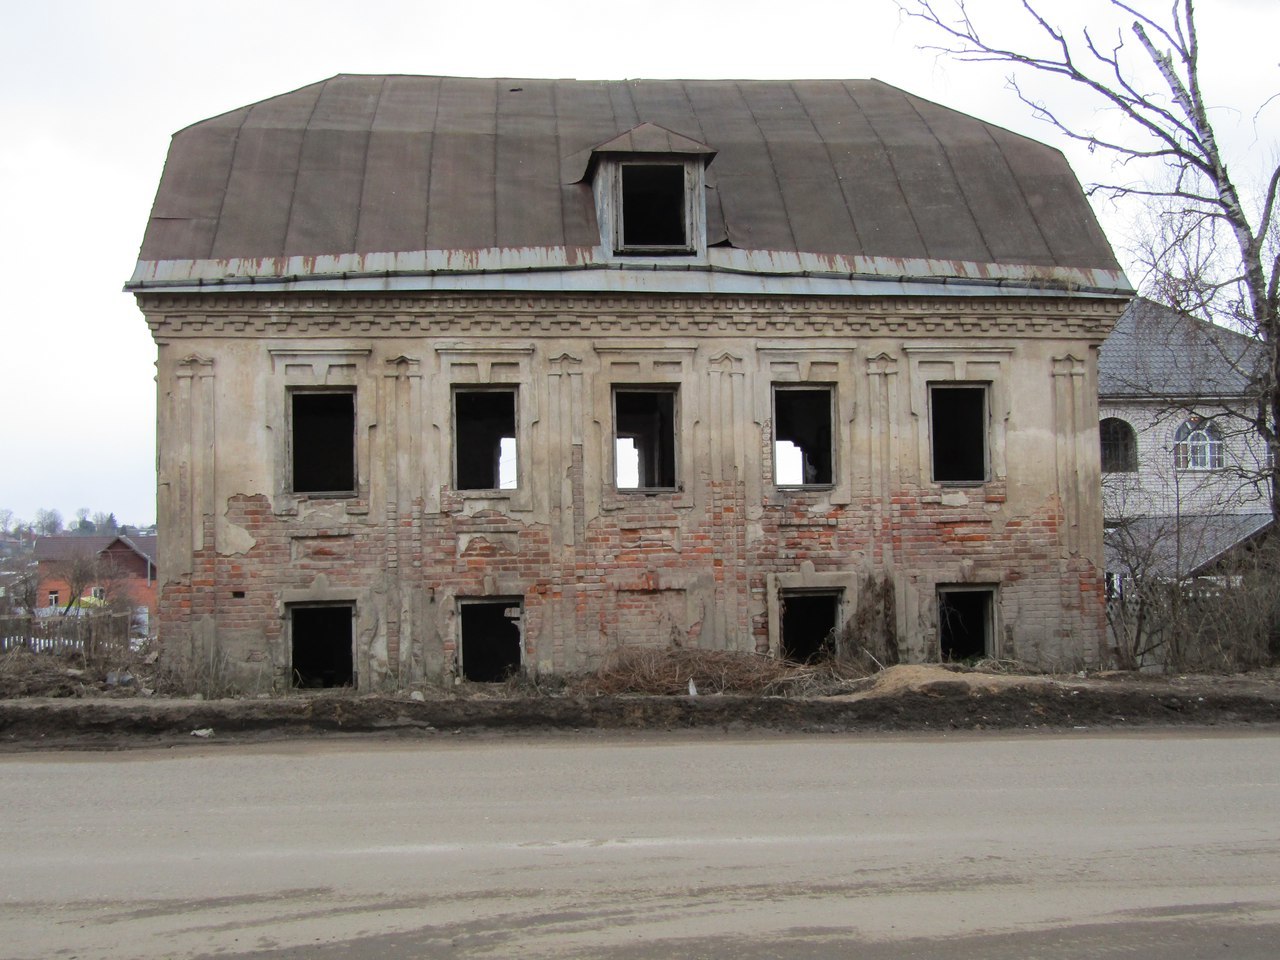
x=48 y=522
x=79 y=570
x=1213 y=250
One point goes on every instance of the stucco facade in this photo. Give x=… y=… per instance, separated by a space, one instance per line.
x=594 y=567
x=743 y=431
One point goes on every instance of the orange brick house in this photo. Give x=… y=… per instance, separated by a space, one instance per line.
x=459 y=377
x=121 y=565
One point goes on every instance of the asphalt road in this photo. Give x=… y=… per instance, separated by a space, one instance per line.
x=1163 y=846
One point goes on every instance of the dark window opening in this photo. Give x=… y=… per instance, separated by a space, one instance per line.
x=802 y=437
x=1119 y=446
x=653 y=207
x=324 y=430
x=323 y=654
x=808 y=623
x=485 y=439
x=959 y=432
x=645 y=439
x=490 y=651
x=964 y=624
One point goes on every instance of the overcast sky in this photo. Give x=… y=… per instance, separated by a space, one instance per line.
x=92 y=92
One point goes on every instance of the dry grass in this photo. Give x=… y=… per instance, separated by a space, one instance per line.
x=666 y=671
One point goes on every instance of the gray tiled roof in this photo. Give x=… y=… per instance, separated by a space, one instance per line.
x=1159 y=546
x=1155 y=351
x=361 y=164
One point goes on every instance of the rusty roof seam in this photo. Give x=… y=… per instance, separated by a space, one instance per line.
x=1017 y=185
x=226 y=186
x=888 y=159
x=297 y=167
x=773 y=163
x=554 y=91
x=955 y=180
x=364 y=180
x=497 y=107
x=826 y=147
x=426 y=187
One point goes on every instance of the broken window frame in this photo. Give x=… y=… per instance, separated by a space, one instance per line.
x=292 y=450
x=506 y=602
x=989 y=631
x=1119 y=445
x=670 y=430
x=459 y=438
x=689 y=208
x=934 y=389
x=832 y=447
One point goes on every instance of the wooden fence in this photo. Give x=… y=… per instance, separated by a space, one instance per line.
x=89 y=634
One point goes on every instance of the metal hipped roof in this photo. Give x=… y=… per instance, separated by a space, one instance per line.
x=401 y=174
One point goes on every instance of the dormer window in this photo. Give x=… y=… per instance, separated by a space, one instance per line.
x=649 y=186
x=652 y=208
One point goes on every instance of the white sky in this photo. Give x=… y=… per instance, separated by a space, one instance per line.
x=91 y=92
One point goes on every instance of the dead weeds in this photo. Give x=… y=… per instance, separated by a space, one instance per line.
x=668 y=671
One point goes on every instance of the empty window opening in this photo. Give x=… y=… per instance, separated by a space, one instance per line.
x=964 y=624
x=323 y=652
x=324 y=429
x=653 y=211
x=958 y=418
x=1119 y=446
x=490 y=648
x=808 y=623
x=485 y=439
x=802 y=437
x=645 y=439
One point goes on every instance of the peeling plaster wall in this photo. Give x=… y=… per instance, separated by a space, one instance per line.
x=596 y=567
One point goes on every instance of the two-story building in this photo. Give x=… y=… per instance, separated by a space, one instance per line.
x=465 y=376
x=1183 y=466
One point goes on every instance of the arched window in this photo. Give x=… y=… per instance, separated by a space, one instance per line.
x=1119 y=446
x=1197 y=446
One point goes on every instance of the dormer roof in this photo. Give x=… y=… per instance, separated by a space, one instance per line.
x=418 y=176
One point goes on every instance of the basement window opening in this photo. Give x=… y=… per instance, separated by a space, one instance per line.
x=802 y=448
x=965 y=623
x=653 y=215
x=323 y=434
x=808 y=622
x=958 y=422
x=645 y=439
x=491 y=642
x=485 y=439
x=322 y=646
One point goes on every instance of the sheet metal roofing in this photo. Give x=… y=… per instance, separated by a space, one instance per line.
x=1179 y=546
x=415 y=174
x=1155 y=352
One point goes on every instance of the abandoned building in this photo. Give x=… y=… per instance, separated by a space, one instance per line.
x=460 y=377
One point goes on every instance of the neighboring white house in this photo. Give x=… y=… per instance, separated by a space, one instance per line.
x=1180 y=461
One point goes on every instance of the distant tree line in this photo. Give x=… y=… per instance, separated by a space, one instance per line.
x=49 y=522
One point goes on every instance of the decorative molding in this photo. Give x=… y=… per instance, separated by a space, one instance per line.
x=640 y=315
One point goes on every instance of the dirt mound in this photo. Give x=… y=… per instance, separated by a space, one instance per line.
x=934 y=678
